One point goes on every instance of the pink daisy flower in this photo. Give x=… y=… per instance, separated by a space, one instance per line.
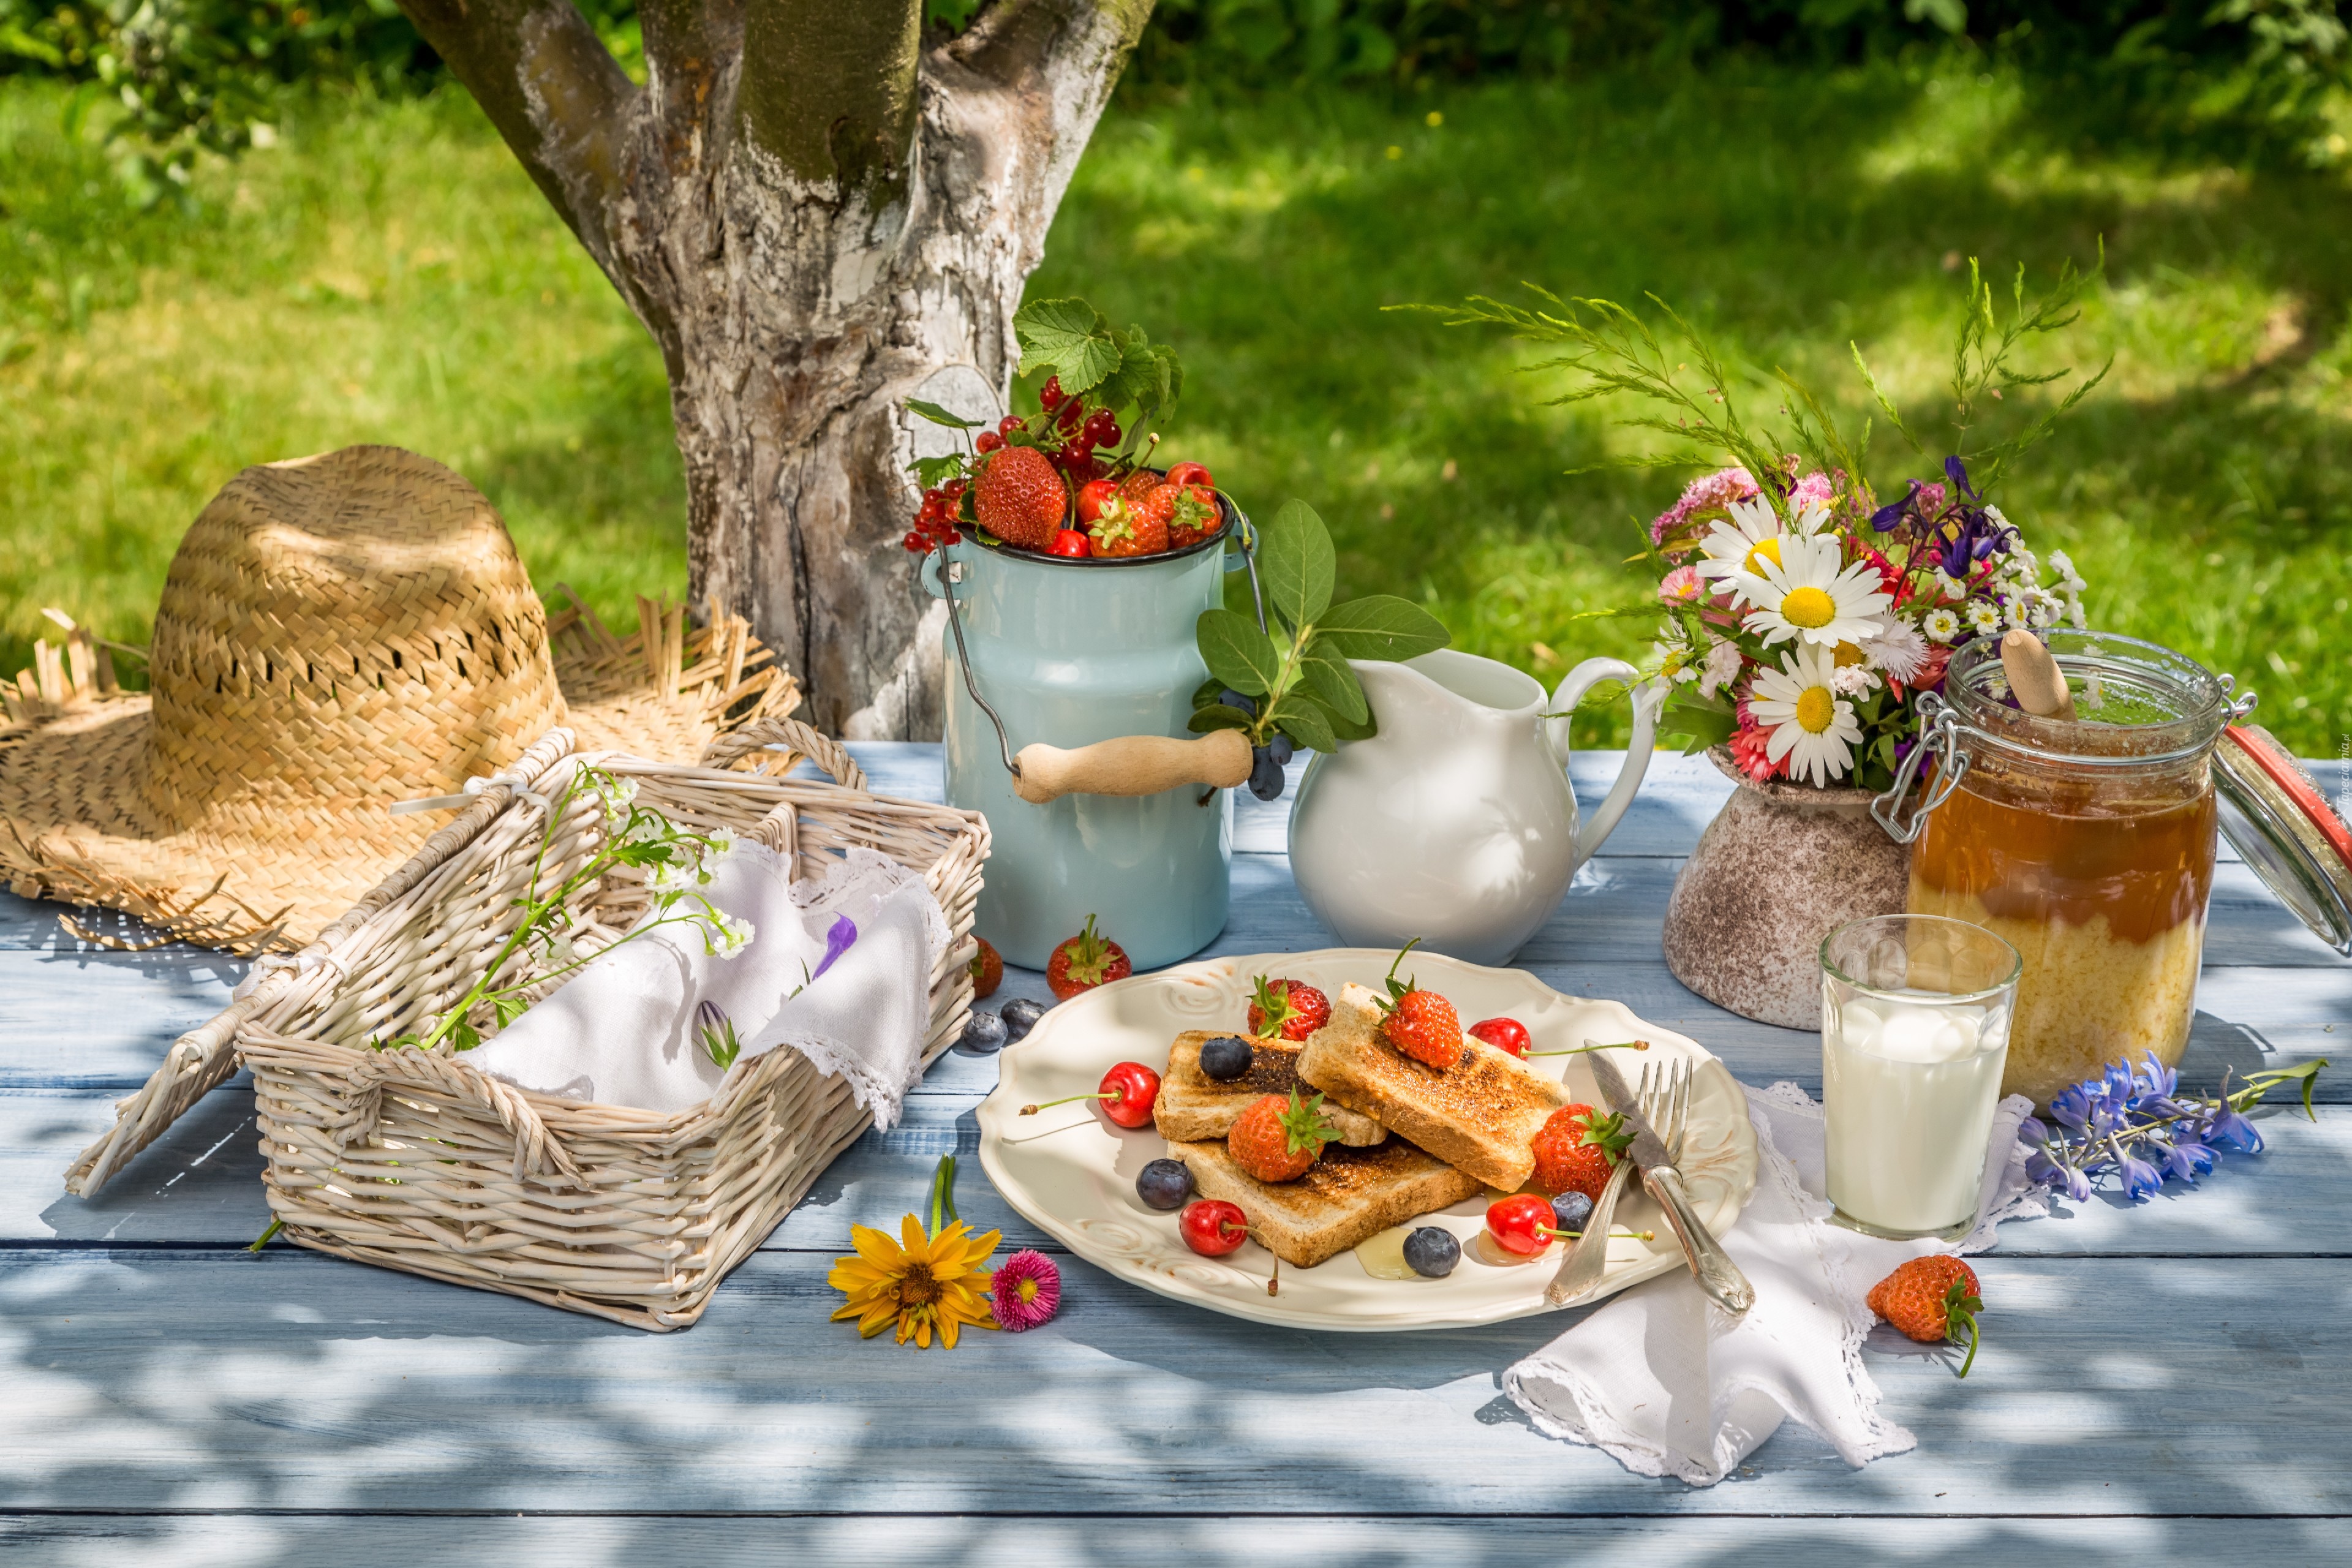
x=1027 y=1291
x=1683 y=586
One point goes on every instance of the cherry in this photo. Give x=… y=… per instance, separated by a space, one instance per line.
x=1050 y=395
x=1522 y=1223
x=1504 y=1034
x=1128 y=1089
x=1008 y=425
x=1190 y=474
x=1069 y=542
x=1092 y=496
x=987 y=441
x=1213 y=1227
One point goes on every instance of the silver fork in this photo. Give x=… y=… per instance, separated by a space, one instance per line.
x=1588 y=1256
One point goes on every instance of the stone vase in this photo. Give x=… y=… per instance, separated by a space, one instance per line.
x=1781 y=865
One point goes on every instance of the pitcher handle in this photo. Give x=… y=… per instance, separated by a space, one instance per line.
x=1647 y=701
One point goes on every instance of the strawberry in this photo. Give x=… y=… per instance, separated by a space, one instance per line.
x=1931 y=1299
x=987 y=970
x=1578 y=1149
x=1129 y=528
x=1192 y=513
x=1020 y=498
x=1138 y=484
x=1278 y=1142
x=1289 y=1008
x=1420 y=1023
x=1085 y=961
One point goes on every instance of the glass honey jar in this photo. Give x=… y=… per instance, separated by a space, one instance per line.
x=2086 y=844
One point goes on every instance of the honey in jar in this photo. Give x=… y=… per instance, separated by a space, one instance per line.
x=2086 y=844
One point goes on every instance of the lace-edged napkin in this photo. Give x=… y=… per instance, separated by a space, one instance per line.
x=1668 y=1385
x=623 y=1030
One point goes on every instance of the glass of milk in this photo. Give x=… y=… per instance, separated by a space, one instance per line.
x=1915 y=1033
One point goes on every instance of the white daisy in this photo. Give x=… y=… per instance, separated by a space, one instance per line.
x=1950 y=587
x=1941 y=624
x=1805 y=596
x=1899 y=649
x=1809 y=723
x=1750 y=536
x=1984 y=616
x=1722 y=664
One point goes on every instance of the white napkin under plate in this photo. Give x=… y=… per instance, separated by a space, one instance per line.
x=622 y=1031
x=1669 y=1384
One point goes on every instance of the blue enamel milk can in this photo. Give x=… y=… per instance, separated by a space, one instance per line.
x=1070 y=684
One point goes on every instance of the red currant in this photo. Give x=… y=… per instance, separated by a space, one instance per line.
x=1068 y=414
x=1008 y=425
x=1103 y=430
x=1504 y=1034
x=987 y=441
x=1050 y=395
x=1213 y=1227
x=952 y=489
x=916 y=543
x=1522 y=1223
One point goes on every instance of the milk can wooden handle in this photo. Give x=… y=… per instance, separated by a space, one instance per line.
x=1133 y=764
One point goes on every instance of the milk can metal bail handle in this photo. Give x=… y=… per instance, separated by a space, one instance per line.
x=1939 y=731
x=950 y=573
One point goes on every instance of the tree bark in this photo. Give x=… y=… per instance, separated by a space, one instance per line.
x=815 y=210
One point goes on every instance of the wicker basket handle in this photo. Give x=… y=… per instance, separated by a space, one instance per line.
x=537 y=1149
x=748 y=748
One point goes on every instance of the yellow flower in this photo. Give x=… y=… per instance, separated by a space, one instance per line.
x=925 y=1283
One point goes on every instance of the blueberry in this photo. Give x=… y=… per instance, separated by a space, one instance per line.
x=1232 y=698
x=1266 y=776
x=1019 y=1016
x=1226 y=1057
x=983 y=1035
x=1569 y=1211
x=1281 y=748
x=1432 y=1252
x=1164 y=1184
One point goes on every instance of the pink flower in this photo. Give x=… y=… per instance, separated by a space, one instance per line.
x=1026 y=1291
x=1714 y=493
x=1683 y=586
x=1749 y=750
x=1815 y=488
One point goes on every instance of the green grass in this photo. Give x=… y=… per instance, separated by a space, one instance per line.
x=388 y=274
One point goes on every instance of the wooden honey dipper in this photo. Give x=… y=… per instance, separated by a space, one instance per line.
x=2033 y=676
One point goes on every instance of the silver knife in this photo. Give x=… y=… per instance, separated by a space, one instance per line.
x=1717 y=1276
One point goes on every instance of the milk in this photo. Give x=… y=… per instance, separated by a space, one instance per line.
x=1908 y=1090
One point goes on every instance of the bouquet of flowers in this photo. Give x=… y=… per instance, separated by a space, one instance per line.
x=1803 y=614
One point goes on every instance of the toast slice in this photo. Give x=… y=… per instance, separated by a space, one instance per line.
x=1347 y=1197
x=1480 y=1115
x=1192 y=1107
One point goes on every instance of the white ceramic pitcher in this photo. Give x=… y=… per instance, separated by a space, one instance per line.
x=1456 y=823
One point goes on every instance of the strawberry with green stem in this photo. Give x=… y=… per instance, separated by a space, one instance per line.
x=1278 y=1142
x=1420 y=1024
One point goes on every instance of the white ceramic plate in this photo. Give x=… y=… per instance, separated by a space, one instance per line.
x=1071 y=1171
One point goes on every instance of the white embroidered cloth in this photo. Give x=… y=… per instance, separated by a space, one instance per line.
x=623 y=1030
x=1668 y=1385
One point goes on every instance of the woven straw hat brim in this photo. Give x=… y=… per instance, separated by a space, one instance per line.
x=261 y=811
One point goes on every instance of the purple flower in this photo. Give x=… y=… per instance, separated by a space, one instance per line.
x=838 y=940
x=2071 y=1106
x=2233 y=1130
x=2187 y=1159
x=1957 y=472
x=2033 y=1130
x=2158 y=1079
x=1025 y=1292
x=2141 y=1180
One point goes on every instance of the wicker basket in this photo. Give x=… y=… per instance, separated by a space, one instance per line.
x=420 y=1161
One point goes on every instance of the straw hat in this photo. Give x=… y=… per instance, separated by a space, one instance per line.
x=337 y=634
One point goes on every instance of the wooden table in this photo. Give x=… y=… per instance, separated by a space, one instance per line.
x=2159 y=1383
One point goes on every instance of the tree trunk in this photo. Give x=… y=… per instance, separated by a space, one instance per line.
x=816 y=216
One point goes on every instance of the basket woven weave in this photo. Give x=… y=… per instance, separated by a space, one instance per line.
x=421 y=1161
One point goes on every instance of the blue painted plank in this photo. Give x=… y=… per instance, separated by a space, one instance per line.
x=136 y=1380
x=1122 y=1538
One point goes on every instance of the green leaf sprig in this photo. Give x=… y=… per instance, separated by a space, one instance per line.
x=1123 y=371
x=1295 y=670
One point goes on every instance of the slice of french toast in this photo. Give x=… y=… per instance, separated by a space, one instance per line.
x=1480 y=1115
x=1347 y=1197
x=1194 y=1106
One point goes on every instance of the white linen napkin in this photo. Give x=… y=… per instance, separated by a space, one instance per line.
x=622 y=1030
x=865 y=1018
x=1667 y=1384
x=625 y=1031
